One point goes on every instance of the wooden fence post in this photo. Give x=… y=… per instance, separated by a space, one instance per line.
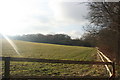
x=113 y=68
x=7 y=68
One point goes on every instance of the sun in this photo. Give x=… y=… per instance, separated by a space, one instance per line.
x=9 y=25
x=7 y=30
x=11 y=17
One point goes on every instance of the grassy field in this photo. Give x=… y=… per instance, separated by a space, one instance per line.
x=52 y=51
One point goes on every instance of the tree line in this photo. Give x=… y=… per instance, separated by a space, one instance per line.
x=61 y=39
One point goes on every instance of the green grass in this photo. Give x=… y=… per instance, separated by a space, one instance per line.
x=52 y=51
x=49 y=51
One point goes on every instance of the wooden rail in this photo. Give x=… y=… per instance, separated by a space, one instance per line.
x=8 y=59
x=107 y=68
x=102 y=56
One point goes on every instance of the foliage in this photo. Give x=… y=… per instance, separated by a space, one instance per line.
x=61 y=39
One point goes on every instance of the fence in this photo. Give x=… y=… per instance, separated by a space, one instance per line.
x=8 y=59
x=104 y=58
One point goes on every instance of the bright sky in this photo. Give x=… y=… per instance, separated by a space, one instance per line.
x=42 y=16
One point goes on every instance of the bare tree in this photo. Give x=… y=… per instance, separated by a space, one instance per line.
x=106 y=15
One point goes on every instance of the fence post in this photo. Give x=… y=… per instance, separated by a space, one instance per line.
x=113 y=68
x=7 y=68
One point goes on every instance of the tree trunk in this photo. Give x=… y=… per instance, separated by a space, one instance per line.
x=118 y=46
x=118 y=40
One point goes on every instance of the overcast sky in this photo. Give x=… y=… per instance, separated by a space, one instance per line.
x=42 y=16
